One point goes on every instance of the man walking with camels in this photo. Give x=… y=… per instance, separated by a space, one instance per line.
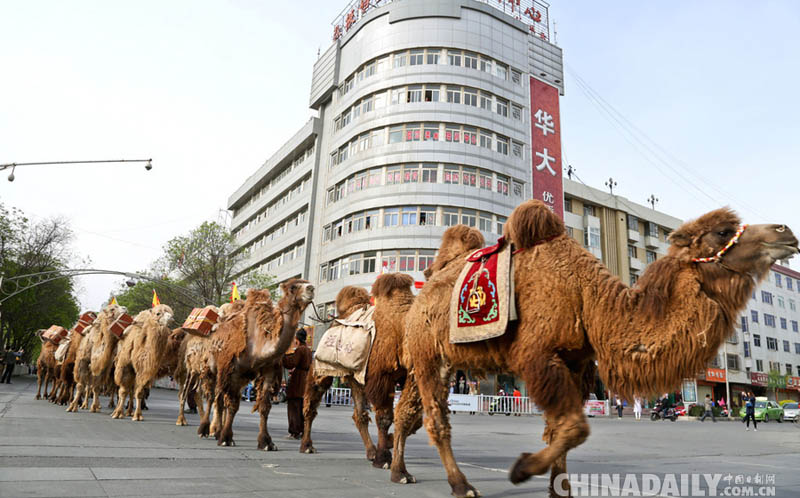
x=298 y=363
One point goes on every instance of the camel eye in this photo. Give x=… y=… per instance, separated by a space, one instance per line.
x=725 y=233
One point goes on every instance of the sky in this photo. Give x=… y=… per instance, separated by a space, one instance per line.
x=693 y=102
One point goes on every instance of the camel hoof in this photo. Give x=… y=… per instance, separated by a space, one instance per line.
x=371 y=453
x=526 y=466
x=386 y=466
x=181 y=423
x=37 y=397
x=403 y=478
x=271 y=447
x=310 y=450
x=465 y=490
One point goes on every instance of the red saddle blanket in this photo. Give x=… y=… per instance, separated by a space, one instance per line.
x=482 y=301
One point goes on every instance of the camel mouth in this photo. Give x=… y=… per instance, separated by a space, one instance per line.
x=782 y=250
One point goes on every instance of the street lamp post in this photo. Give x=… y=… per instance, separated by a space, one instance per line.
x=148 y=166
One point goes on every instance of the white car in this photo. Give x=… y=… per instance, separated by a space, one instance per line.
x=791 y=413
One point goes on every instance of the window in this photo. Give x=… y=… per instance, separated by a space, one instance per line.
x=414 y=94
x=433 y=56
x=453 y=95
x=426 y=257
x=789 y=283
x=470 y=60
x=502 y=145
x=454 y=58
x=468 y=218
x=746 y=349
x=391 y=217
x=450 y=217
x=380 y=100
x=470 y=135
x=588 y=210
x=501 y=221
x=591 y=238
x=409 y=216
x=413 y=133
x=783 y=323
x=501 y=71
x=369 y=262
x=393 y=175
x=486 y=65
x=792 y=305
x=416 y=58
x=407 y=260
x=652 y=229
x=410 y=173
x=788 y=369
x=398 y=96
x=452 y=174
x=786 y=347
x=759 y=366
x=754 y=316
x=486 y=140
x=431 y=132
x=516 y=112
x=733 y=361
x=469 y=177
x=744 y=324
x=781 y=303
x=486 y=101
x=395 y=134
x=389 y=262
x=427 y=216
x=485 y=222
x=794 y=325
x=502 y=107
x=634 y=278
x=772 y=343
x=471 y=97
x=633 y=223
x=756 y=340
x=766 y=297
x=429 y=173
x=485 y=180
x=797 y=347
x=769 y=320
x=778 y=281
x=632 y=251
x=431 y=93
x=502 y=184
x=452 y=133
x=399 y=60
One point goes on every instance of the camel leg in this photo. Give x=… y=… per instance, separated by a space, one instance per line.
x=111 y=398
x=203 y=428
x=39 y=384
x=361 y=417
x=95 y=399
x=139 y=396
x=315 y=390
x=73 y=406
x=407 y=419
x=218 y=416
x=264 y=407
x=123 y=393
x=383 y=419
x=198 y=401
x=58 y=386
x=182 y=401
x=231 y=402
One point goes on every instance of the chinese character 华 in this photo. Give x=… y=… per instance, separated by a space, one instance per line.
x=350 y=19
x=544 y=121
x=364 y=6
x=546 y=160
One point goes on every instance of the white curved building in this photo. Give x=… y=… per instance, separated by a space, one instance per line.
x=425 y=120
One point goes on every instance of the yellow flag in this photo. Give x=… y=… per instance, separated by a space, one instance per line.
x=156 y=302
x=113 y=300
x=234 y=292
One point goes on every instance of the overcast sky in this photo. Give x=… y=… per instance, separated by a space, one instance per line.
x=211 y=89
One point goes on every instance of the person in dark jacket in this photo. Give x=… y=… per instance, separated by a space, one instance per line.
x=298 y=363
x=708 y=406
x=10 y=359
x=750 y=411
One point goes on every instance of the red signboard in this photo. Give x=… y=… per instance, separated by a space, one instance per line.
x=715 y=374
x=546 y=146
x=793 y=383
x=758 y=378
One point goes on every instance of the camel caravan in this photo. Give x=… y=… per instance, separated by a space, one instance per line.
x=536 y=305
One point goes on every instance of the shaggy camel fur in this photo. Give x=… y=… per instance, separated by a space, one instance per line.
x=393 y=299
x=45 y=366
x=66 y=379
x=250 y=343
x=573 y=311
x=94 y=359
x=139 y=357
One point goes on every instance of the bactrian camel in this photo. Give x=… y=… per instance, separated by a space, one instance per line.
x=45 y=365
x=393 y=298
x=139 y=358
x=573 y=311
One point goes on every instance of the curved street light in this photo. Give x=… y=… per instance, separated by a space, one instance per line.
x=148 y=166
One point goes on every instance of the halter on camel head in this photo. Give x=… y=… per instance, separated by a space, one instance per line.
x=718 y=257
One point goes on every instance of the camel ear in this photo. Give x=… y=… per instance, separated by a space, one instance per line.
x=428 y=272
x=680 y=238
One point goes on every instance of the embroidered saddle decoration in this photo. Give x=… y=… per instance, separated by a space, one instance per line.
x=482 y=302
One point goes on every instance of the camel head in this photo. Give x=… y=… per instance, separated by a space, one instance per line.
x=113 y=311
x=297 y=293
x=39 y=334
x=349 y=299
x=162 y=314
x=706 y=242
x=456 y=241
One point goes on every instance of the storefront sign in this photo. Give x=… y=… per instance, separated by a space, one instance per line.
x=715 y=374
x=462 y=402
x=758 y=378
x=546 y=146
x=596 y=407
x=793 y=383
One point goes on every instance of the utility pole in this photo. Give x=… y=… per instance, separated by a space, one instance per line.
x=611 y=184
x=727 y=384
x=652 y=201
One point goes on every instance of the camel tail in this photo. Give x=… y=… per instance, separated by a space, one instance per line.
x=532 y=222
x=388 y=282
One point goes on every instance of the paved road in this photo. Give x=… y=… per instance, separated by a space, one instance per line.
x=45 y=451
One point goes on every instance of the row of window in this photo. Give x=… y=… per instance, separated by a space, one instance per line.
x=389 y=217
x=452 y=174
x=428 y=93
x=291 y=166
x=420 y=56
x=650 y=255
x=275 y=261
x=772 y=345
x=403 y=260
x=775 y=366
x=769 y=321
x=423 y=132
x=790 y=283
x=766 y=297
x=273 y=207
x=273 y=234
x=651 y=229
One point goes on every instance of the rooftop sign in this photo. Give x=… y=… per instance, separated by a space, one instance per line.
x=534 y=13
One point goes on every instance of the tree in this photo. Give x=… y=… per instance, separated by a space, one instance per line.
x=140 y=297
x=256 y=280
x=775 y=381
x=25 y=248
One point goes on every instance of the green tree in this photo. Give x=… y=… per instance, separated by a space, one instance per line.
x=256 y=280
x=775 y=381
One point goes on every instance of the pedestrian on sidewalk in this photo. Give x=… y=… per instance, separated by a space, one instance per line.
x=619 y=407
x=297 y=361
x=637 y=407
x=10 y=358
x=708 y=405
x=750 y=411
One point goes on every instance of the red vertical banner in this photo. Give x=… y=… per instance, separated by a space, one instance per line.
x=546 y=146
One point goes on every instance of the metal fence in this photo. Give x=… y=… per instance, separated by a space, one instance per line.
x=338 y=396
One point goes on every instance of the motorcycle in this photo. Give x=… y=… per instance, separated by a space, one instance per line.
x=660 y=413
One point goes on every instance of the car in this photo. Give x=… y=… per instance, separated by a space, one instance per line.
x=791 y=412
x=765 y=410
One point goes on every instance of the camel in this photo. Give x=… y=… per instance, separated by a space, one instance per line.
x=66 y=379
x=573 y=311
x=139 y=358
x=250 y=343
x=45 y=366
x=95 y=357
x=393 y=298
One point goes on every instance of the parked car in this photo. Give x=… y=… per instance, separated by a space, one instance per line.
x=791 y=413
x=765 y=410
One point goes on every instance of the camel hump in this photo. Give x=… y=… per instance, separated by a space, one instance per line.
x=388 y=282
x=530 y=223
x=349 y=298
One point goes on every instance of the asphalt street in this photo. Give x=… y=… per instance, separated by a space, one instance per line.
x=45 y=451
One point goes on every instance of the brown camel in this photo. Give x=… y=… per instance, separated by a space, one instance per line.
x=393 y=299
x=573 y=311
x=140 y=355
x=250 y=343
x=60 y=355
x=95 y=357
x=45 y=366
x=66 y=379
